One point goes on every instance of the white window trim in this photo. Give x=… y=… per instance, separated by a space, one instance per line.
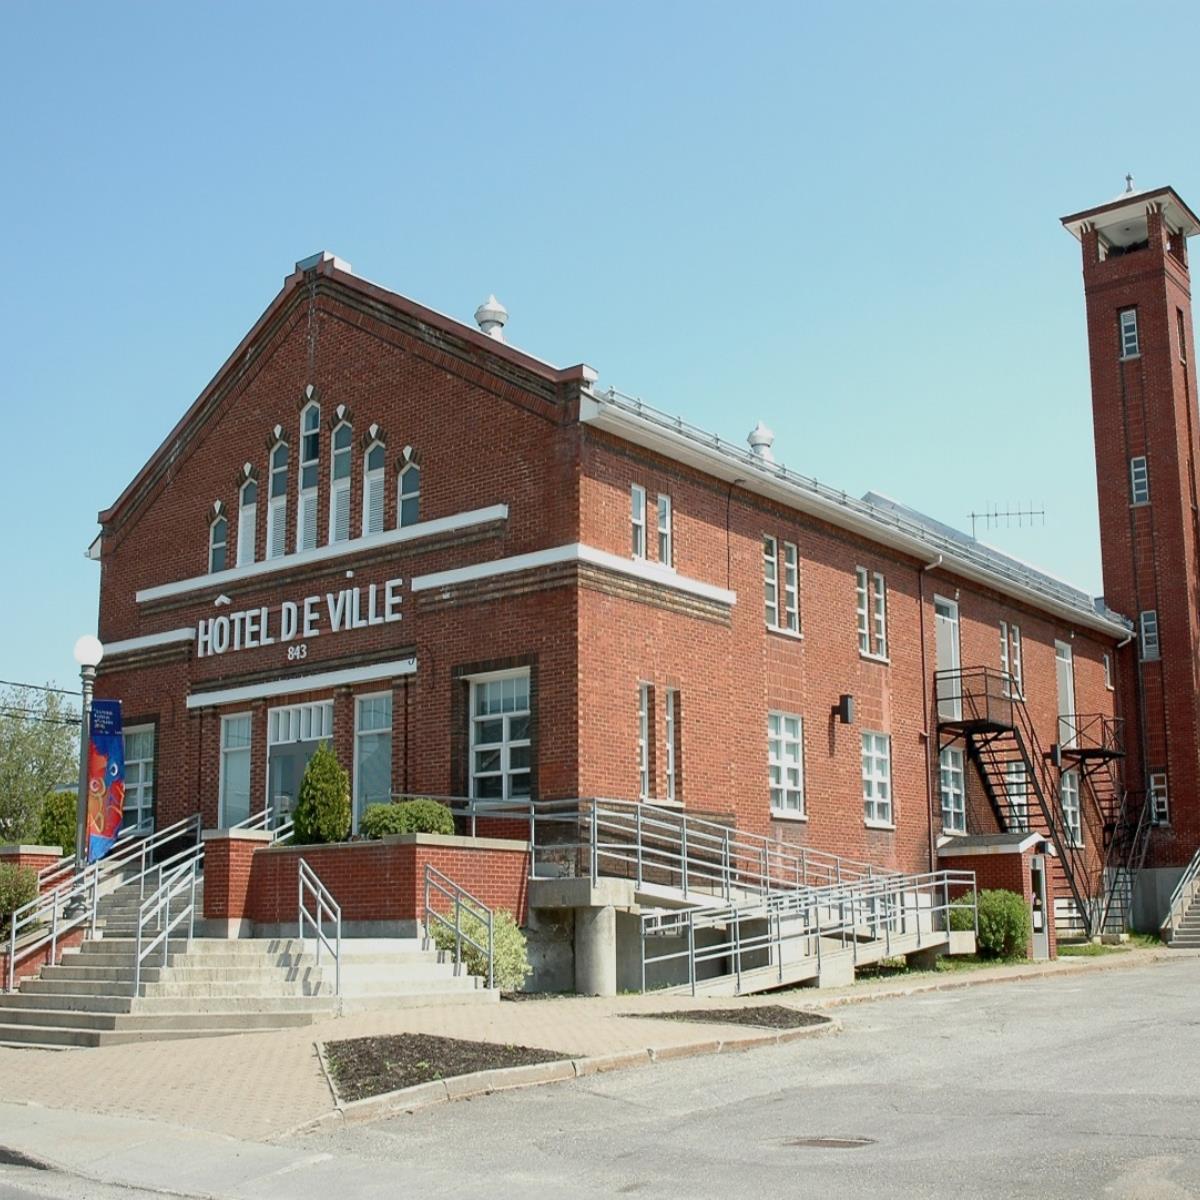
x=1136 y=352
x=876 y=822
x=369 y=476
x=294 y=684
x=247 y=514
x=276 y=505
x=637 y=524
x=1134 y=473
x=1157 y=792
x=359 y=697
x=146 y=825
x=505 y=770
x=1074 y=831
x=666 y=532
x=871 y=612
x=645 y=733
x=961 y=771
x=302 y=492
x=411 y=468
x=213 y=544
x=327 y=738
x=787 y=596
x=1108 y=671
x=671 y=715
x=338 y=486
x=783 y=812
x=1144 y=642
x=221 y=752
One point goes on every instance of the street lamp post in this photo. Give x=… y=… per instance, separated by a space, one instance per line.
x=88 y=653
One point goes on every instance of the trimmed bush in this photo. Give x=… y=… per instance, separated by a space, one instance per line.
x=1004 y=923
x=58 y=821
x=322 y=812
x=510 y=959
x=411 y=816
x=18 y=885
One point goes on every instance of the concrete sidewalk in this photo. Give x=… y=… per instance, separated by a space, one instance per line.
x=262 y=1086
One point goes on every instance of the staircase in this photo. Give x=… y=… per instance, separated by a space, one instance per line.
x=212 y=986
x=1181 y=928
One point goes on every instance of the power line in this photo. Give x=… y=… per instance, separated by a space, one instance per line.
x=38 y=687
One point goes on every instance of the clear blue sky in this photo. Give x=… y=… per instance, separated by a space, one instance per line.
x=840 y=219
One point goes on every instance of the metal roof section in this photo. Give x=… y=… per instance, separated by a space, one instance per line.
x=874 y=517
x=1122 y=221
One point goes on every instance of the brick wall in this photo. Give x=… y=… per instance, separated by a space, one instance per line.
x=1010 y=873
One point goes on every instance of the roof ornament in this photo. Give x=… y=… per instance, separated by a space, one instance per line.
x=761 y=439
x=1128 y=184
x=491 y=317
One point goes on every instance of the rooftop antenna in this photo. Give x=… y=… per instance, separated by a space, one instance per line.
x=993 y=517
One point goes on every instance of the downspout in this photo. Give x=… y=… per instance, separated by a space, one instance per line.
x=932 y=566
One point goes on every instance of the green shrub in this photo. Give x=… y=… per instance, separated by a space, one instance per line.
x=412 y=816
x=1004 y=923
x=322 y=812
x=58 y=821
x=510 y=959
x=18 y=885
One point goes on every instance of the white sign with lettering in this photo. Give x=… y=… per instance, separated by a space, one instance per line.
x=351 y=608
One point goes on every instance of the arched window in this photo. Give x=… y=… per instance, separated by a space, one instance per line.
x=408 y=506
x=339 y=484
x=277 y=510
x=310 y=453
x=218 y=540
x=247 y=522
x=373 y=469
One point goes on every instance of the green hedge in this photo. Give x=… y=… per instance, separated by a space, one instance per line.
x=322 y=812
x=18 y=885
x=58 y=821
x=509 y=955
x=411 y=816
x=1004 y=923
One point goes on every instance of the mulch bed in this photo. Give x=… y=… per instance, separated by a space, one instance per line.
x=766 y=1016
x=369 y=1066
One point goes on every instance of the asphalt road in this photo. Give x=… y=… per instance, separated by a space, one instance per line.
x=1083 y=1086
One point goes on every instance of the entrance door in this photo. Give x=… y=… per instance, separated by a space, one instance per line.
x=1066 y=693
x=293 y=735
x=1041 y=917
x=949 y=686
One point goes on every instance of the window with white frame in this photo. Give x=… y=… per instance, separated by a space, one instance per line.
x=1139 y=479
x=500 y=743
x=1016 y=789
x=664 y=530
x=1069 y=793
x=785 y=763
x=408 y=497
x=139 y=778
x=339 y=483
x=645 y=731
x=373 y=488
x=877 y=778
x=372 y=752
x=1010 y=660
x=247 y=522
x=637 y=520
x=277 y=503
x=235 y=769
x=1108 y=672
x=953 y=787
x=672 y=731
x=300 y=723
x=306 y=501
x=781 y=585
x=218 y=544
x=1160 y=805
x=1128 y=322
x=1148 y=634
x=871 y=596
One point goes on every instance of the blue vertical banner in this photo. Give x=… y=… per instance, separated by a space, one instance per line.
x=105 y=778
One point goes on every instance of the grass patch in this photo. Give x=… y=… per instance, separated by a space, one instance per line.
x=370 y=1066
x=1088 y=950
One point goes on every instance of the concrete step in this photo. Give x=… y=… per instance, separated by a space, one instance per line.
x=247 y=971
x=244 y=1020
x=55 y=1038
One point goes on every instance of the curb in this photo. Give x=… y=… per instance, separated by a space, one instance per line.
x=1123 y=962
x=503 y=1079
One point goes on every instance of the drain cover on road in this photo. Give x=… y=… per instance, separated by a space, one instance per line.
x=829 y=1143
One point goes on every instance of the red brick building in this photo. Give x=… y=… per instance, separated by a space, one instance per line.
x=476 y=574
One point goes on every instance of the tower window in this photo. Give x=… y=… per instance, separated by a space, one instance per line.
x=310 y=452
x=1182 y=334
x=1139 y=480
x=247 y=522
x=1160 y=806
x=218 y=541
x=1129 y=333
x=339 y=484
x=1108 y=672
x=1148 y=627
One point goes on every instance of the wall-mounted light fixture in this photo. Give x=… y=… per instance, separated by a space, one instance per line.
x=844 y=710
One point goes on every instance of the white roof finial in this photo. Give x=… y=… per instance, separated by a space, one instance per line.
x=491 y=316
x=1128 y=184
x=761 y=439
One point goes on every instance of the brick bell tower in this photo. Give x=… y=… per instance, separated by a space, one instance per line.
x=1142 y=351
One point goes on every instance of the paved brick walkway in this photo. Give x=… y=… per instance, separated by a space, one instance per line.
x=261 y=1085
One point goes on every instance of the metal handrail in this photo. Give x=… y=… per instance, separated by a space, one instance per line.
x=437 y=883
x=262 y=820
x=875 y=908
x=1189 y=876
x=156 y=910
x=325 y=906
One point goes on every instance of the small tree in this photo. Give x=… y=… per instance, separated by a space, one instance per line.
x=322 y=812
x=39 y=750
x=58 y=821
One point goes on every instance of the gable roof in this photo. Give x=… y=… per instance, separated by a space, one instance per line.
x=327 y=267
